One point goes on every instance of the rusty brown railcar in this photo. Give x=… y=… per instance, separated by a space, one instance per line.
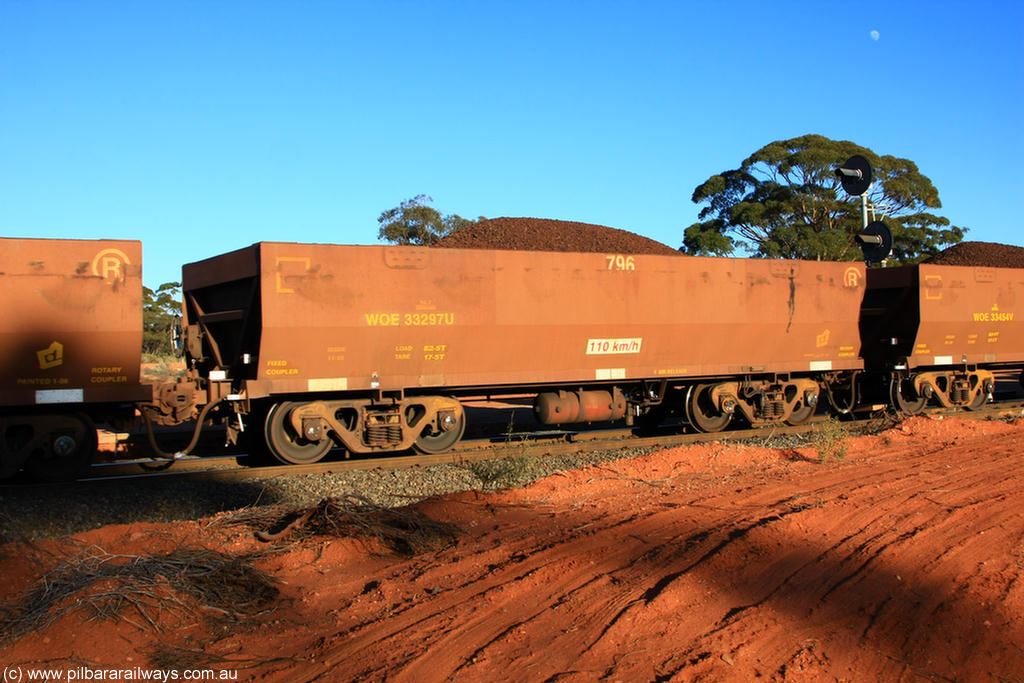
x=934 y=333
x=71 y=342
x=370 y=347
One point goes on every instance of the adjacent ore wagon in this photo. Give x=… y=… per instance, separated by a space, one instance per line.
x=71 y=341
x=937 y=333
x=371 y=347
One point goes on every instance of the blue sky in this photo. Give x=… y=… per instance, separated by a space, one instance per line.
x=201 y=127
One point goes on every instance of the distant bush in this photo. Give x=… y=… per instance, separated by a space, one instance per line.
x=161 y=311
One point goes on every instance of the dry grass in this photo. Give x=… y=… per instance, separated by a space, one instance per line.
x=139 y=588
x=402 y=530
x=830 y=440
x=514 y=470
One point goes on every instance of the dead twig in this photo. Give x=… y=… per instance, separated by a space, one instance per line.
x=402 y=530
x=107 y=585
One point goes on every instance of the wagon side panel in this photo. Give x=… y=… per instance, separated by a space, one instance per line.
x=360 y=318
x=969 y=315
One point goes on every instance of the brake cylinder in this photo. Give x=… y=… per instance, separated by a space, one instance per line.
x=567 y=407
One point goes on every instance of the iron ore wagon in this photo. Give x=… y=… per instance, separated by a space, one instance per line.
x=939 y=333
x=372 y=347
x=71 y=343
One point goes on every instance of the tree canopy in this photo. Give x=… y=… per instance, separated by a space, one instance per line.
x=160 y=312
x=785 y=201
x=413 y=222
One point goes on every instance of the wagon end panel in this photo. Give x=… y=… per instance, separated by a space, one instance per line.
x=890 y=316
x=222 y=314
x=72 y=325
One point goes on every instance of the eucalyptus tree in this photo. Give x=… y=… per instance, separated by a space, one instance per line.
x=785 y=201
x=413 y=222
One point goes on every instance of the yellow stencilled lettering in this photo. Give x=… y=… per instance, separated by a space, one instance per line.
x=383 y=319
x=403 y=352
x=418 y=319
x=110 y=379
x=620 y=262
x=105 y=374
x=277 y=368
x=335 y=353
x=434 y=351
x=41 y=381
x=993 y=317
x=428 y=319
x=277 y=372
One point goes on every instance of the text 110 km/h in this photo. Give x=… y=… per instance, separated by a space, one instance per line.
x=596 y=347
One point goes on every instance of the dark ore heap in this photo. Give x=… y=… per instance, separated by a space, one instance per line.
x=984 y=254
x=545 y=234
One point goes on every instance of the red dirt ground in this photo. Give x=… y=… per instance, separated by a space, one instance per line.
x=902 y=561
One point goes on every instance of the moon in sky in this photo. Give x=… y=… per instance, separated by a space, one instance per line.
x=875 y=35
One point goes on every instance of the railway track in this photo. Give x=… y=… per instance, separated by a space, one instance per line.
x=492 y=447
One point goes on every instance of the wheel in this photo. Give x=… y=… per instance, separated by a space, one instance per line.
x=287 y=446
x=432 y=441
x=70 y=447
x=801 y=414
x=905 y=398
x=702 y=413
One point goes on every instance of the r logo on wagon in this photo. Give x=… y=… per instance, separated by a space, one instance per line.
x=603 y=347
x=109 y=264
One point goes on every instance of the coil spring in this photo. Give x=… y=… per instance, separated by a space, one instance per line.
x=382 y=435
x=773 y=409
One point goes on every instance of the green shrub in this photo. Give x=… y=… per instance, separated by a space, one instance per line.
x=831 y=440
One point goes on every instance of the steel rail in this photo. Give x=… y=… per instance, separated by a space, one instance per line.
x=538 y=444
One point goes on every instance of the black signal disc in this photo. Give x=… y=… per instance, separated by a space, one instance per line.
x=853 y=184
x=876 y=253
